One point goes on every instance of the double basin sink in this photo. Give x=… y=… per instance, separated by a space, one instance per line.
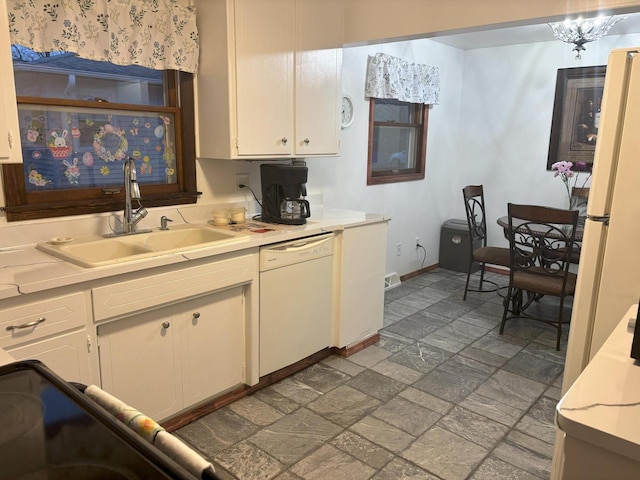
x=97 y=251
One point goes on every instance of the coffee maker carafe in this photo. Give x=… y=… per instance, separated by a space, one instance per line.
x=282 y=189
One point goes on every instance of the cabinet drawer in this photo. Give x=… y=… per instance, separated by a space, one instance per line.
x=67 y=355
x=41 y=318
x=154 y=291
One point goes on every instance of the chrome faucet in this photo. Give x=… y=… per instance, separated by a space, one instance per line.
x=130 y=218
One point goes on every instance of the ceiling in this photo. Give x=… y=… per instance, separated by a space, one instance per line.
x=524 y=34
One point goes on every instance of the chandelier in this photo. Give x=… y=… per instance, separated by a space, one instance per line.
x=581 y=31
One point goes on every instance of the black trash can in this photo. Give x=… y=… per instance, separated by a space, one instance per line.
x=454 y=246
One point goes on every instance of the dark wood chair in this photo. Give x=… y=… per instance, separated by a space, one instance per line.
x=541 y=243
x=479 y=251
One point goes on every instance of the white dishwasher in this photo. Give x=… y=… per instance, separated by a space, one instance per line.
x=295 y=300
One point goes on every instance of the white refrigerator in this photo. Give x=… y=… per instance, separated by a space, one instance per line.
x=609 y=271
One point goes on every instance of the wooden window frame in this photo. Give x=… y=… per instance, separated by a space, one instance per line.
x=23 y=205
x=406 y=174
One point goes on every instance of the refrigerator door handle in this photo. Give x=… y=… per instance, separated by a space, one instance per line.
x=599 y=218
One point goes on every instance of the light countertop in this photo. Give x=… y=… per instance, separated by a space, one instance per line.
x=602 y=407
x=24 y=269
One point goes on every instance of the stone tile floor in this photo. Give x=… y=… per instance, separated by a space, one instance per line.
x=441 y=396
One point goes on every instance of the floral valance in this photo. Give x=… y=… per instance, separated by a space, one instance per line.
x=157 y=34
x=392 y=77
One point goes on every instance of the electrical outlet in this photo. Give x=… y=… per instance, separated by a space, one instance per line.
x=398 y=249
x=241 y=179
x=417 y=242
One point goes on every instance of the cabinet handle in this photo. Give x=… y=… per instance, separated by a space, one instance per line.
x=306 y=141
x=26 y=325
x=196 y=314
x=284 y=140
x=165 y=325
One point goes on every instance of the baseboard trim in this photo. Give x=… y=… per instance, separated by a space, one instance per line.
x=225 y=399
x=417 y=273
x=357 y=347
x=435 y=266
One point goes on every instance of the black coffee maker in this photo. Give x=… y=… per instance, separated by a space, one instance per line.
x=282 y=187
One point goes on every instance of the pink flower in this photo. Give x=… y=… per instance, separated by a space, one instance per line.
x=563 y=169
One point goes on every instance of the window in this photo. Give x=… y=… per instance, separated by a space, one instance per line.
x=80 y=118
x=397 y=141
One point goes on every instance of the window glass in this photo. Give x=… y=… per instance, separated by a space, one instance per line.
x=80 y=119
x=67 y=76
x=397 y=141
x=73 y=147
x=393 y=111
x=395 y=148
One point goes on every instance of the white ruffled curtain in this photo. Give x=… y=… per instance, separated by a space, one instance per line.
x=157 y=34
x=392 y=77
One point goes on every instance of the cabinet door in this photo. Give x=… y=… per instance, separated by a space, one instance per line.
x=9 y=136
x=212 y=344
x=66 y=355
x=140 y=362
x=265 y=37
x=319 y=37
x=362 y=282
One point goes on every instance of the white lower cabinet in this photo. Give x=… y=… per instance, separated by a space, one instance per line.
x=166 y=360
x=66 y=355
x=139 y=362
x=51 y=327
x=359 y=285
x=212 y=345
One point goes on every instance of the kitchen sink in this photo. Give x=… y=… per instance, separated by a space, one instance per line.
x=184 y=238
x=97 y=251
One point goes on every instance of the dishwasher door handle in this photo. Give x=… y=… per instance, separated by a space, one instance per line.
x=295 y=251
x=296 y=246
x=302 y=244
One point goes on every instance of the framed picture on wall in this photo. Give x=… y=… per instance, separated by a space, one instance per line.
x=576 y=116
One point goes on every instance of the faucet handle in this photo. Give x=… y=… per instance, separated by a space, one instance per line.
x=163 y=222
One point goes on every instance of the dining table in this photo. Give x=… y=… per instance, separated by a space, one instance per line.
x=577 y=245
x=504 y=223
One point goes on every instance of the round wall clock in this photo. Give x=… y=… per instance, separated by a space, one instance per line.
x=346 y=118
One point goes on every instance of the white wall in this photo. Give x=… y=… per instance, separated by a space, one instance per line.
x=507 y=104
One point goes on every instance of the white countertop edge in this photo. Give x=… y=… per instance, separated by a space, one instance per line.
x=602 y=407
x=44 y=272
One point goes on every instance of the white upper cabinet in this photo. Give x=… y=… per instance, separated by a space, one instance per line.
x=264 y=76
x=319 y=34
x=9 y=132
x=269 y=82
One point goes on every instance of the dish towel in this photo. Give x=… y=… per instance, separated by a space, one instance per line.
x=151 y=431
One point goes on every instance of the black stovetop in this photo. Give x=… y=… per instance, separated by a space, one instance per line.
x=50 y=430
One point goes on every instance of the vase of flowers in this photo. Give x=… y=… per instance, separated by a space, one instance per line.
x=569 y=176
